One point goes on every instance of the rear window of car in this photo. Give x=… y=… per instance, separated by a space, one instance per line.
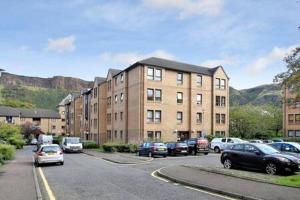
x=181 y=144
x=159 y=144
x=50 y=149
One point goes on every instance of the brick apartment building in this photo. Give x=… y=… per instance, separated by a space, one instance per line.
x=156 y=99
x=291 y=114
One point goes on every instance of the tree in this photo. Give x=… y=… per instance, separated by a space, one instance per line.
x=291 y=78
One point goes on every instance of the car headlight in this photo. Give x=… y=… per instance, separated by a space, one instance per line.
x=282 y=159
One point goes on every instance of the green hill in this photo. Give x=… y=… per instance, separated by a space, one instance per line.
x=261 y=95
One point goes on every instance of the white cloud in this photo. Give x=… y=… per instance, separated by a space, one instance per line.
x=127 y=58
x=224 y=61
x=60 y=45
x=274 y=57
x=187 y=8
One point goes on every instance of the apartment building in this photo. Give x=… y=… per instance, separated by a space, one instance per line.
x=156 y=99
x=48 y=121
x=73 y=112
x=291 y=114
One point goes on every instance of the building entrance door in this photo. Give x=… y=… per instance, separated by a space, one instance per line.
x=183 y=135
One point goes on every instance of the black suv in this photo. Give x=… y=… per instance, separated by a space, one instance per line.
x=198 y=145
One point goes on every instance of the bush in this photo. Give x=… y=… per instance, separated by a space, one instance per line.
x=11 y=134
x=7 y=152
x=89 y=144
x=292 y=139
x=119 y=147
x=209 y=137
x=57 y=139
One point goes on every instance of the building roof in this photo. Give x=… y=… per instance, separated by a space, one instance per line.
x=28 y=113
x=174 y=65
x=99 y=80
x=85 y=91
x=114 y=71
x=65 y=100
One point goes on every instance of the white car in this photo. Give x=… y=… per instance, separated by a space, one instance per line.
x=220 y=144
x=71 y=144
x=49 y=153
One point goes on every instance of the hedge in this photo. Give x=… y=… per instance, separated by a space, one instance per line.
x=89 y=144
x=57 y=139
x=292 y=139
x=7 y=152
x=119 y=147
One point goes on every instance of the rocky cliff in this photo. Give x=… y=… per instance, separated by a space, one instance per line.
x=56 y=82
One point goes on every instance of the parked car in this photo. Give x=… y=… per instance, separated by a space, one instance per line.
x=175 y=148
x=198 y=145
x=44 y=139
x=278 y=140
x=33 y=141
x=259 y=157
x=48 y=153
x=256 y=141
x=71 y=144
x=267 y=141
x=290 y=148
x=152 y=149
x=220 y=144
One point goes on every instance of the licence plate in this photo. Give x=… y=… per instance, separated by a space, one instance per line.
x=184 y=151
x=51 y=154
x=160 y=149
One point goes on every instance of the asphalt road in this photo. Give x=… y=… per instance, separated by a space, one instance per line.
x=87 y=177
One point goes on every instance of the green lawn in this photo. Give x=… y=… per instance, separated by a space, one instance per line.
x=293 y=180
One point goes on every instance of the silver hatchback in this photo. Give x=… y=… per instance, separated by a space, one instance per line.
x=49 y=153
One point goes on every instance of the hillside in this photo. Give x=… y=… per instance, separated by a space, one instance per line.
x=261 y=95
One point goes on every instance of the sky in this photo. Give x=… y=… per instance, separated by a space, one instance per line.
x=84 y=38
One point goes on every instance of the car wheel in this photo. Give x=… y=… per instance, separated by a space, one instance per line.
x=205 y=153
x=62 y=163
x=227 y=163
x=271 y=168
x=150 y=154
x=217 y=150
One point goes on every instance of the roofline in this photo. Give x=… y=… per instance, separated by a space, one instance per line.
x=220 y=66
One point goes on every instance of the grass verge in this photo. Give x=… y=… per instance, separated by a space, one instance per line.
x=293 y=180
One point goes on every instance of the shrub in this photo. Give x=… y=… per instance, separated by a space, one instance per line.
x=1 y=159
x=89 y=144
x=209 y=137
x=57 y=139
x=119 y=147
x=292 y=139
x=7 y=152
x=11 y=134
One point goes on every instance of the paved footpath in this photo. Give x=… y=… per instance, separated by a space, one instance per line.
x=16 y=177
x=230 y=184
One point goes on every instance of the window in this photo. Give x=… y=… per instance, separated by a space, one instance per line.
x=157 y=135
x=157 y=95
x=223 y=101
x=95 y=108
x=109 y=85
x=222 y=85
x=199 y=118
x=179 y=117
x=108 y=101
x=108 y=118
x=95 y=92
x=291 y=118
x=199 y=99
x=199 y=134
x=218 y=83
x=116 y=81
x=250 y=148
x=109 y=135
x=116 y=116
x=297 y=118
x=218 y=101
x=150 y=73
x=238 y=147
x=116 y=98
x=150 y=135
x=179 y=97
x=150 y=116
x=22 y=119
x=9 y=119
x=179 y=78
x=157 y=116
x=218 y=118
x=297 y=133
x=95 y=123
x=150 y=94
x=157 y=75
x=53 y=127
x=116 y=134
x=199 y=80
x=121 y=97
x=291 y=133
x=121 y=134
x=122 y=78
x=121 y=115
x=223 y=119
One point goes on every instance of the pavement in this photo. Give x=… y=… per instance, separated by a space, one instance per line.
x=235 y=187
x=120 y=158
x=16 y=177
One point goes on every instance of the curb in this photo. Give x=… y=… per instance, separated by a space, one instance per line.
x=36 y=183
x=118 y=162
x=215 y=171
x=206 y=188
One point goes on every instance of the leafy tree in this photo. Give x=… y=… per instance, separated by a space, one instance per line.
x=291 y=78
x=12 y=134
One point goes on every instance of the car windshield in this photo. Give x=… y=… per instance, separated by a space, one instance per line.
x=47 y=149
x=267 y=149
x=72 y=140
x=159 y=144
x=297 y=145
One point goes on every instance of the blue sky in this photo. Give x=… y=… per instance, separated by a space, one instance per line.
x=83 y=38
